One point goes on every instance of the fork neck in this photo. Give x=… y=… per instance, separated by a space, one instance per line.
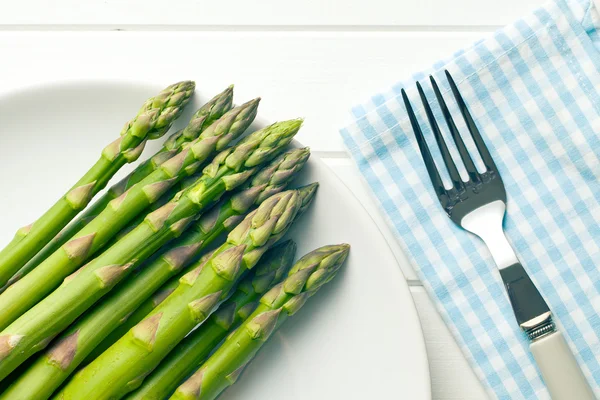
x=486 y=222
x=531 y=311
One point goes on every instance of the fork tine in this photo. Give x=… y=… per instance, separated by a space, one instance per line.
x=488 y=161
x=450 y=165
x=460 y=144
x=434 y=175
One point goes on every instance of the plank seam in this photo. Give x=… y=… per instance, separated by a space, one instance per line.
x=250 y=28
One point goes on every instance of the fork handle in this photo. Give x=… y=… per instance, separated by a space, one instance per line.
x=558 y=366
x=561 y=373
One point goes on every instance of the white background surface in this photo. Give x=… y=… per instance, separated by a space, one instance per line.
x=312 y=58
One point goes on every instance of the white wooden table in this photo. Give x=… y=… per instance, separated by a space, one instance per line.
x=314 y=58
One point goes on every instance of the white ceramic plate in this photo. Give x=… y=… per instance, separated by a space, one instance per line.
x=359 y=338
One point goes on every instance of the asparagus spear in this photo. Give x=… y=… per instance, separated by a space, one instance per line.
x=185 y=358
x=202 y=119
x=231 y=168
x=50 y=369
x=204 y=232
x=153 y=120
x=122 y=367
x=224 y=367
x=23 y=294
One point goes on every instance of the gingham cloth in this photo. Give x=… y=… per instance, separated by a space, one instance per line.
x=534 y=91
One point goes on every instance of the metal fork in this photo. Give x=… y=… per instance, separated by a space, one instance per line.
x=479 y=205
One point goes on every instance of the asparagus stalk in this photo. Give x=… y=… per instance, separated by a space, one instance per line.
x=26 y=292
x=50 y=369
x=153 y=120
x=231 y=168
x=185 y=358
x=224 y=367
x=181 y=185
x=227 y=215
x=123 y=367
x=203 y=118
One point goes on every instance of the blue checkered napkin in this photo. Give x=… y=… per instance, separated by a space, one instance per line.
x=534 y=90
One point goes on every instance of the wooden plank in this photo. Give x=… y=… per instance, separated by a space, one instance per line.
x=119 y=13
x=316 y=75
x=451 y=376
x=345 y=169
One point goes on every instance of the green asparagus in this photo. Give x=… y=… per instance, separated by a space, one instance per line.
x=306 y=195
x=229 y=169
x=185 y=358
x=224 y=367
x=50 y=369
x=26 y=292
x=126 y=363
x=203 y=118
x=153 y=120
x=209 y=228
